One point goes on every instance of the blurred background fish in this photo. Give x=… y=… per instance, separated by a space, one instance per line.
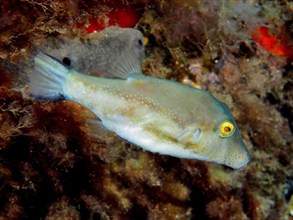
x=95 y=53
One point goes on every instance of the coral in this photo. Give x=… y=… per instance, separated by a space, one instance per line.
x=51 y=167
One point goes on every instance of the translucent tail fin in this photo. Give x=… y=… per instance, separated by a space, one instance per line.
x=48 y=77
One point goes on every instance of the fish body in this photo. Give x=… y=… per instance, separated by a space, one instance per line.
x=156 y=114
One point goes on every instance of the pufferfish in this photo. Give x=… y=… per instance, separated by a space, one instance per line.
x=159 y=115
x=94 y=53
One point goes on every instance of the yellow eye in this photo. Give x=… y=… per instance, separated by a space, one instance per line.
x=226 y=129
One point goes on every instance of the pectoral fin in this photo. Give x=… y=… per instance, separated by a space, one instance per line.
x=189 y=136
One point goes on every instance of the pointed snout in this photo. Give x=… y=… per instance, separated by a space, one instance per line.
x=237 y=155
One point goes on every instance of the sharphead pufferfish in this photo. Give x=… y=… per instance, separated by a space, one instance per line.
x=159 y=115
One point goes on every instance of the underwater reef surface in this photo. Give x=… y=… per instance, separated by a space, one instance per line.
x=241 y=51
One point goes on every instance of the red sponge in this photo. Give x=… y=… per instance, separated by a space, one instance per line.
x=271 y=43
x=121 y=16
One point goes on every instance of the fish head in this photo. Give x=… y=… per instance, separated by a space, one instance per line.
x=220 y=140
x=230 y=148
x=136 y=43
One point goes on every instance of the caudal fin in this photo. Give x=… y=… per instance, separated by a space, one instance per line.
x=48 y=77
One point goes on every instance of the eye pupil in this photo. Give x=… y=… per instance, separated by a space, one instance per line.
x=227 y=129
x=140 y=42
x=66 y=61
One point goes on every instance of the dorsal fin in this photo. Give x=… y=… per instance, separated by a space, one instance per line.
x=128 y=64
